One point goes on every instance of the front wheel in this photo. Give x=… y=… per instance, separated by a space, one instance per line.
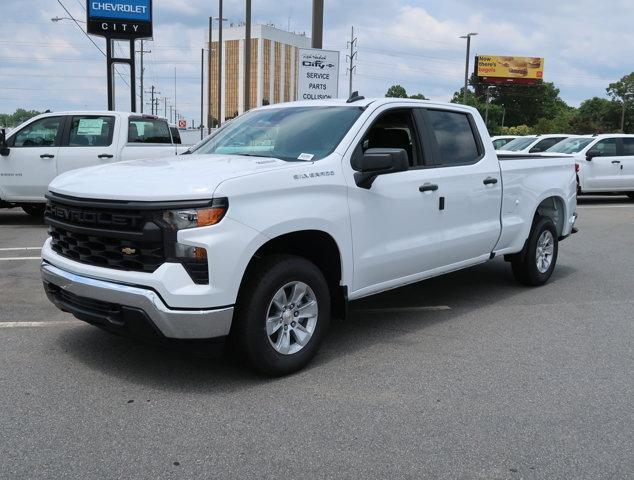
x=282 y=314
x=34 y=209
x=536 y=263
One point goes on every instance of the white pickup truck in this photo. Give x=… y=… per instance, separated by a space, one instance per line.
x=53 y=143
x=288 y=212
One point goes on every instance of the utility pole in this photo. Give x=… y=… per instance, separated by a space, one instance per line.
x=466 y=69
x=165 y=105
x=247 y=57
x=318 y=24
x=142 y=51
x=202 y=88
x=219 y=63
x=174 y=89
x=353 y=54
x=209 y=113
x=503 y=114
x=625 y=97
x=171 y=108
x=486 y=108
x=153 y=92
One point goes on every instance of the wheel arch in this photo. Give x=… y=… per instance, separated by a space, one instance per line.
x=317 y=246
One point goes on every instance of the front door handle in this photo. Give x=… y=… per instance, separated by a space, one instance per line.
x=616 y=161
x=47 y=155
x=428 y=187
x=105 y=155
x=490 y=181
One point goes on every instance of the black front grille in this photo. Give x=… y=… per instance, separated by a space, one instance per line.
x=109 y=252
x=120 y=238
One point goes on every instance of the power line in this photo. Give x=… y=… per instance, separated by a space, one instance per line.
x=91 y=40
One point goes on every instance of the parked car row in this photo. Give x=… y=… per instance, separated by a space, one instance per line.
x=604 y=163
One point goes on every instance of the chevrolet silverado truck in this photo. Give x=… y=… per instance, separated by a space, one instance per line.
x=269 y=227
x=53 y=143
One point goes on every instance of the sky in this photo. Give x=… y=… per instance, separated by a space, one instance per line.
x=586 y=45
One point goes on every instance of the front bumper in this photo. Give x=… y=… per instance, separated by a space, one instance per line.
x=130 y=310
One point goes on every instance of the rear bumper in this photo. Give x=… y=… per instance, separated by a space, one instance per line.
x=130 y=310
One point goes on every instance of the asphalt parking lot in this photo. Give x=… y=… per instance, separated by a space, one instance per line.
x=465 y=376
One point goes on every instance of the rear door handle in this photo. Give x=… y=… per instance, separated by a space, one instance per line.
x=616 y=161
x=47 y=155
x=490 y=181
x=105 y=155
x=428 y=187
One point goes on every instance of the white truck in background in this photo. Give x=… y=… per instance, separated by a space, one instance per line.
x=268 y=227
x=40 y=149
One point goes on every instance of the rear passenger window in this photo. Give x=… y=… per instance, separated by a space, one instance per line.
x=628 y=146
x=91 y=131
x=454 y=136
x=148 y=130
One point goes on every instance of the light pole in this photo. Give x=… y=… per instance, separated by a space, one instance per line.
x=625 y=98
x=59 y=19
x=466 y=68
x=486 y=108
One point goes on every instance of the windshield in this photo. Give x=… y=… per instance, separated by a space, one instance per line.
x=571 y=145
x=294 y=133
x=519 y=144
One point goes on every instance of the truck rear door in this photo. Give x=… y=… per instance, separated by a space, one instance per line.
x=603 y=171
x=148 y=137
x=469 y=185
x=88 y=140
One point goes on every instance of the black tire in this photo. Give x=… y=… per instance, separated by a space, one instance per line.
x=524 y=265
x=248 y=331
x=631 y=195
x=34 y=209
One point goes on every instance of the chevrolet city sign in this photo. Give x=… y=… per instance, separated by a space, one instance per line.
x=124 y=19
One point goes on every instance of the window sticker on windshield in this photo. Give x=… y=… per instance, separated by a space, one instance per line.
x=305 y=156
x=90 y=126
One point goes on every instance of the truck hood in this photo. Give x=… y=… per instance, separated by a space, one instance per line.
x=184 y=177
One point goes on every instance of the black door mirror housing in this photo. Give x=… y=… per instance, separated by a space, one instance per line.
x=590 y=155
x=4 y=149
x=378 y=161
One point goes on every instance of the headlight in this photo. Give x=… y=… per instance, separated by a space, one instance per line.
x=197 y=217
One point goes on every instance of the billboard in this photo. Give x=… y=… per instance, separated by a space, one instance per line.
x=317 y=74
x=122 y=19
x=495 y=68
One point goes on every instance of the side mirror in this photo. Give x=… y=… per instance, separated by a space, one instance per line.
x=378 y=161
x=4 y=149
x=535 y=150
x=590 y=155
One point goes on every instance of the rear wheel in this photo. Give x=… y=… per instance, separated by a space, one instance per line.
x=35 y=209
x=536 y=263
x=282 y=314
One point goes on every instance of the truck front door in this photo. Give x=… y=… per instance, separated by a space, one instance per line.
x=603 y=171
x=31 y=164
x=396 y=227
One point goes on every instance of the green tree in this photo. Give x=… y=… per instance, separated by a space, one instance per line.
x=396 y=91
x=418 y=96
x=16 y=118
x=598 y=114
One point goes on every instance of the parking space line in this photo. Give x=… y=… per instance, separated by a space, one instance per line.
x=38 y=324
x=19 y=248
x=430 y=308
x=15 y=259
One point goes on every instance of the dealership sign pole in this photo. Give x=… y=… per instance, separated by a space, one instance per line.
x=120 y=20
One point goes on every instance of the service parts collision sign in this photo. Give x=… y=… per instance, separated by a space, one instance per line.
x=318 y=74
x=123 y=19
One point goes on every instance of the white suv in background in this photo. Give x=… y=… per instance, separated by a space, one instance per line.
x=500 y=140
x=605 y=163
x=534 y=143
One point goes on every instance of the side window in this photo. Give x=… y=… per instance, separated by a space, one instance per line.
x=628 y=146
x=91 y=131
x=545 y=144
x=41 y=133
x=148 y=130
x=604 y=148
x=176 y=135
x=454 y=136
x=394 y=129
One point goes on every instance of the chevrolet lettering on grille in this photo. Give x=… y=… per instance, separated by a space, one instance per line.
x=92 y=218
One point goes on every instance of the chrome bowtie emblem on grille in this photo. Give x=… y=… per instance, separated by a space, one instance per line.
x=128 y=250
